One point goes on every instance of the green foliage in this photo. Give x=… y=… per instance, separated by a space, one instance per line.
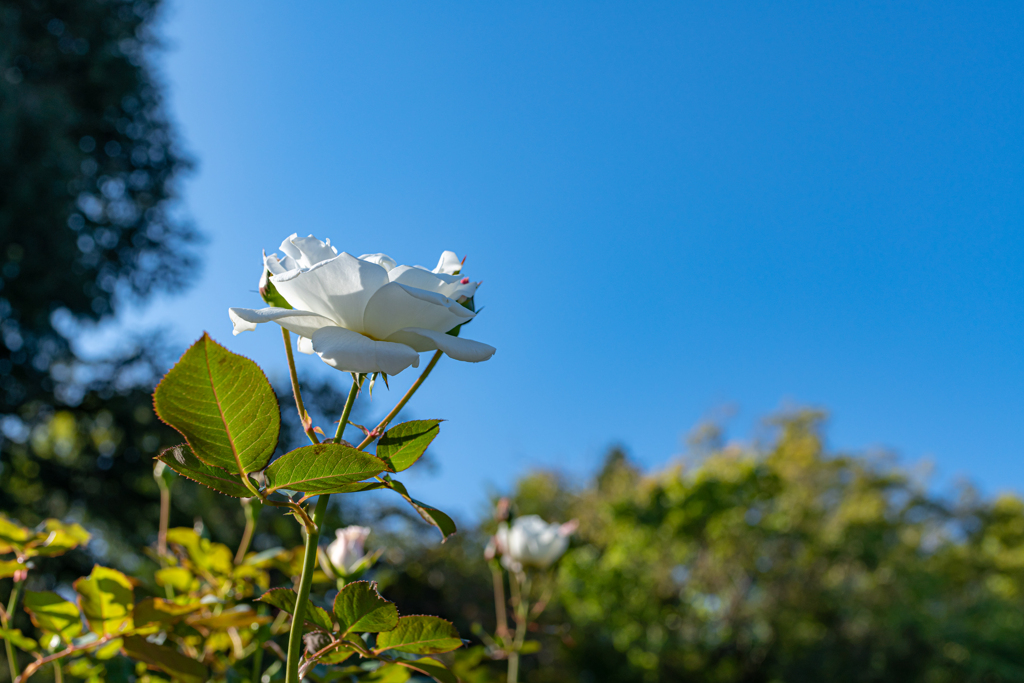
x=359 y=608
x=284 y=599
x=54 y=614
x=223 y=405
x=402 y=445
x=322 y=468
x=166 y=659
x=420 y=635
x=430 y=514
x=106 y=597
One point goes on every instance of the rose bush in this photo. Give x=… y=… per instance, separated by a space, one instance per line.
x=366 y=314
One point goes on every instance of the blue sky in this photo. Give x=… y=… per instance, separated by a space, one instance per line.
x=679 y=211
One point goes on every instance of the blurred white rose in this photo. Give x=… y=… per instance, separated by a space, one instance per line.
x=532 y=542
x=366 y=314
x=346 y=551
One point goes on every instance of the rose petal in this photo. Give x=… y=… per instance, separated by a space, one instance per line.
x=350 y=351
x=449 y=263
x=305 y=346
x=447 y=285
x=382 y=260
x=338 y=289
x=396 y=306
x=302 y=323
x=455 y=347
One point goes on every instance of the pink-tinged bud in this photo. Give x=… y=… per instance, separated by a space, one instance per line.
x=464 y=281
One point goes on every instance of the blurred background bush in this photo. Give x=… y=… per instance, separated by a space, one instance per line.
x=769 y=562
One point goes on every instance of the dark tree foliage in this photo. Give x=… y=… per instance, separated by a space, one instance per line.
x=88 y=171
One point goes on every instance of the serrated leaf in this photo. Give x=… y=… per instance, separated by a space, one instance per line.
x=158 y=610
x=284 y=599
x=429 y=513
x=22 y=642
x=420 y=635
x=50 y=612
x=431 y=667
x=106 y=598
x=182 y=460
x=170 y=661
x=321 y=468
x=359 y=608
x=405 y=443
x=223 y=405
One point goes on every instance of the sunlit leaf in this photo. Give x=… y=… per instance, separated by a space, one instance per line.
x=56 y=538
x=405 y=443
x=18 y=640
x=420 y=635
x=178 y=578
x=12 y=535
x=106 y=598
x=184 y=462
x=284 y=599
x=430 y=514
x=170 y=661
x=9 y=568
x=223 y=405
x=359 y=608
x=158 y=610
x=237 y=617
x=109 y=650
x=321 y=468
x=50 y=612
x=203 y=553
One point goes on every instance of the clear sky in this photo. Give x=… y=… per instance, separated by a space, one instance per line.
x=679 y=211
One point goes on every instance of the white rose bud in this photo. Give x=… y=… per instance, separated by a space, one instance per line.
x=532 y=542
x=346 y=551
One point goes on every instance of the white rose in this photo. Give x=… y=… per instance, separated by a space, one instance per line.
x=533 y=542
x=346 y=551
x=366 y=314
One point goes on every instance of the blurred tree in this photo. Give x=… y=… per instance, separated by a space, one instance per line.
x=758 y=565
x=88 y=173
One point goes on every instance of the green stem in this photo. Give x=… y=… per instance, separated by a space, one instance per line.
x=303 y=415
x=12 y=655
x=501 y=628
x=257 y=657
x=165 y=514
x=252 y=508
x=379 y=429
x=309 y=553
x=58 y=674
x=305 y=582
x=352 y=393
x=522 y=619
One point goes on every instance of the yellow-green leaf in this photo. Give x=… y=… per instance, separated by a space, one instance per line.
x=106 y=598
x=18 y=640
x=178 y=578
x=182 y=460
x=321 y=468
x=50 y=612
x=420 y=635
x=284 y=599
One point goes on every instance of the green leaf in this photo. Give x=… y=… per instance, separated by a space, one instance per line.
x=284 y=599
x=403 y=444
x=321 y=468
x=57 y=538
x=429 y=513
x=178 y=578
x=12 y=536
x=18 y=640
x=223 y=405
x=158 y=610
x=420 y=635
x=106 y=598
x=170 y=661
x=182 y=460
x=110 y=650
x=359 y=608
x=241 y=616
x=50 y=612
x=9 y=568
x=432 y=668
